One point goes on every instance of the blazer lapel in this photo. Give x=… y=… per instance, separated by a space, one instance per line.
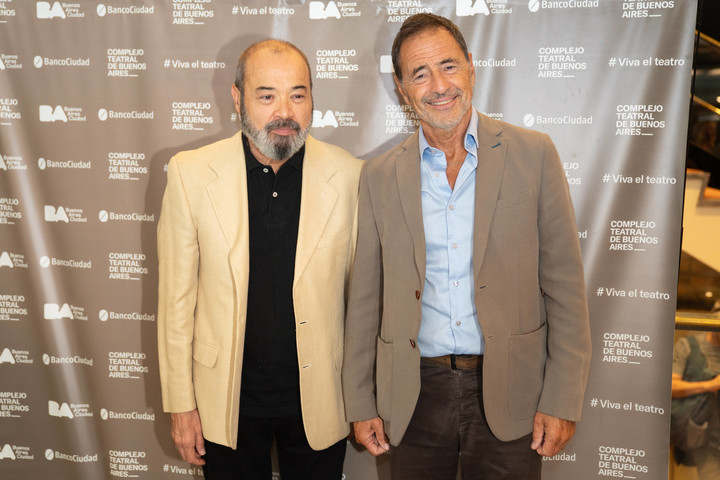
x=228 y=195
x=407 y=171
x=492 y=149
x=316 y=204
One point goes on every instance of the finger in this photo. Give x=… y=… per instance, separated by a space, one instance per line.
x=538 y=434
x=186 y=454
x=549 y=446
x=185 y=445
x=374 y=447
x=370 y=442
x=380 y=436
x=196 y=459
x=199 y=440
x=555 y=441
x=189 y=453
x=199 y=451
x=368 y=438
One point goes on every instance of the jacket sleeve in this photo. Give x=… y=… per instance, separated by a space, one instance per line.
x=364 y=314
x=178 y=257
x=563 y=287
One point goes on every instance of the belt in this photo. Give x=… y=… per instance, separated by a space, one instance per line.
x=458 y=362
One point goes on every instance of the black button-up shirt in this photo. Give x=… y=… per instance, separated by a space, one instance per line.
x=270 y=377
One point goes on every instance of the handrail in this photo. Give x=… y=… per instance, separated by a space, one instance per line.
x=706 y=105
x=697 y=321
x=709 y=39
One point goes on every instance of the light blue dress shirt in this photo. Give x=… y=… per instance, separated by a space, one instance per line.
x=449 y=318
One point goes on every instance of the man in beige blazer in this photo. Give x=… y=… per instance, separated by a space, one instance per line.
x=255 y=242
x=496 y=375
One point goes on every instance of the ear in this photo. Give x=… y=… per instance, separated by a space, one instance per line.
x=472 y=68
x=235 y=92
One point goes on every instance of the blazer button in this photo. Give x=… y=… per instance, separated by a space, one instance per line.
x=412 y=343
x=417 y=294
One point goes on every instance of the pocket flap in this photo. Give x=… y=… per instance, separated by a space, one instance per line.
x=204 y=353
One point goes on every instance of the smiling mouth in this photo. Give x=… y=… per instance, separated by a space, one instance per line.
x=440 y=103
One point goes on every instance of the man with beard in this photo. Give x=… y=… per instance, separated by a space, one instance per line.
x=255 y=241
x=467 y=336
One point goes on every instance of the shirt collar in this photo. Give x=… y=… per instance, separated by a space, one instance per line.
x=251 y=162
x=428 y=153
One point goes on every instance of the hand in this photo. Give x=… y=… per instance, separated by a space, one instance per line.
x=187 y=435
x=550 y=434
x=714 y=384
x=371 y=433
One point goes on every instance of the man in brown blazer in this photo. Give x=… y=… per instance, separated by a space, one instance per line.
x=467 y=332
x=255 y=242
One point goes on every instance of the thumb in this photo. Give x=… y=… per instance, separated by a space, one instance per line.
x=538 y=433
x=199 y=440
x=382 y=438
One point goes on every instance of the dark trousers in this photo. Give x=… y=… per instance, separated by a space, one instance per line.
x=251 y=460
x=449 y=428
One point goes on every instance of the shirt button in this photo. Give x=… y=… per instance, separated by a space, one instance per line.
x=454 y=245
x=452 y=207
x=265 y=170
x=456 y=283
x=274 y=194
x=458 y=323
x=437 y=174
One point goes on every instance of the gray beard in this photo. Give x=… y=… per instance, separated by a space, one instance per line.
x=274 y=147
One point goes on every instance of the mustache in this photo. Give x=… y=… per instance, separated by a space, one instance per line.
x=282 y=123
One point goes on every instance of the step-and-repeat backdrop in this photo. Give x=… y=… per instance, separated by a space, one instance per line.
x=95 y=97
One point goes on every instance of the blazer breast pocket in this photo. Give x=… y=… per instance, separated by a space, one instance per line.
x=515 y=218
x=513 y=200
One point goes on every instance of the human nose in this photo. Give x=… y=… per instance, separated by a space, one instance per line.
x=439 y=83
x=283 y=108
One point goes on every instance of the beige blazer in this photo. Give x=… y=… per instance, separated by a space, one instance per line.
x=529 y=287
x=203 y=257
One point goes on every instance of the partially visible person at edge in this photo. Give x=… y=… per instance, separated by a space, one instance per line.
x=467 y=335
x=706 y=458
x=255 y=242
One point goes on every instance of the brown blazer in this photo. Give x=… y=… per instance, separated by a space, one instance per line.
x=529 y=286
x=203 y=255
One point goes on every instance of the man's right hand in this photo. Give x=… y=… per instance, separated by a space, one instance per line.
x=187 y=435
x=371 y=433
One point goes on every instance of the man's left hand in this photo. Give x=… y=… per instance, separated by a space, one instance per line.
x=550 y=434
